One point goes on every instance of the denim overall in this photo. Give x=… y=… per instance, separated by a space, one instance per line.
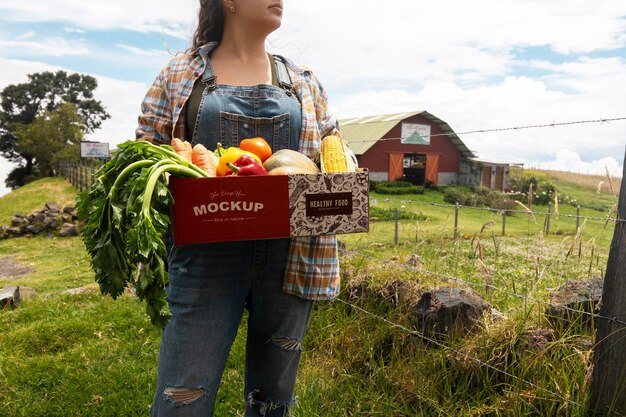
x=211 y=284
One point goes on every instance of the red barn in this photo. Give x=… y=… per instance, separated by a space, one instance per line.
x=419 y=147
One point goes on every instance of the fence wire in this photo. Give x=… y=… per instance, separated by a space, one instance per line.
x=457 y=280
x=457 y=352
x=500 y=210
x=504 y=129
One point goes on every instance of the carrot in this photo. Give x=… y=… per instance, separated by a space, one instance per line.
x=203 y=159
x=182 y=148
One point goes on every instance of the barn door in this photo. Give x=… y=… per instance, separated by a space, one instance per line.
x=499 y=178
x=395 y=166
x=432 y=168
x=486 y=182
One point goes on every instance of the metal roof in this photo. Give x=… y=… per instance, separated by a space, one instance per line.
x=362 y=133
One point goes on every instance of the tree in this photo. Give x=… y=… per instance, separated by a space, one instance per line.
x=21 y=104
x=51 y=137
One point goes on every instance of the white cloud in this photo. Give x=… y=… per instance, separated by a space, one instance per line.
x=53 y=47
x=566 y=160
x=27 y=35
x=143 y=52
x=441 y=40
x=158 y=16
x=121 y=126
x=74 y=30
x=5 y=168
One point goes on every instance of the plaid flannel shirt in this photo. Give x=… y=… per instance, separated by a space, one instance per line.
x=312 y=270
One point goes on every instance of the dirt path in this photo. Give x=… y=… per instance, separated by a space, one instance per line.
x=11 y=268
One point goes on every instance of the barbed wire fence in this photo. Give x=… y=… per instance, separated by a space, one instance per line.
x=571 y=227
x=509 y=128
x=483 y=288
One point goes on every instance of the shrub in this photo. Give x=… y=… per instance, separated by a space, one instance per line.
x=387 y=214
x=543 y=188
x=414 y=189
x=396 y=188
x=474 y=197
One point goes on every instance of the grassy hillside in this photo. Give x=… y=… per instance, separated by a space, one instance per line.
x=87 y=355
x=594 y=182
x=33 y=196
x=590 y=191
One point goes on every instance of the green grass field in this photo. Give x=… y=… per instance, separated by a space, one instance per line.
x=87 y=355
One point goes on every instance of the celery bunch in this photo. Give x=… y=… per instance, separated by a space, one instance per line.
x=126 y=217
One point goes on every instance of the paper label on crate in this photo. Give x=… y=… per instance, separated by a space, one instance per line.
x=327 y=204
x=229 y=209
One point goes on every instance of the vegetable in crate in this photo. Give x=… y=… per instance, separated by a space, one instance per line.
x=245 y=166
x=229 y=155
x=287 y=161
x=126 y=214
x=257 y=146
x=335 y=156
x=204 y=159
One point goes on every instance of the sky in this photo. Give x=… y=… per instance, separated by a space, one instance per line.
x=480 y=65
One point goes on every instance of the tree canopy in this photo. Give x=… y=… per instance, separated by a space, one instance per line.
x=22 y=104
x=51 y=137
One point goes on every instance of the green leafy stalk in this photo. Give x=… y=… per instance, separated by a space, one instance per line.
x=126 y=214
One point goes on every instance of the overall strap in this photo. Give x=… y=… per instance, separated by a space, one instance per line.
x=209 y=77
x=282 y=75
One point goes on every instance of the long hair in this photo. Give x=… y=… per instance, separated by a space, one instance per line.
x=210 y=23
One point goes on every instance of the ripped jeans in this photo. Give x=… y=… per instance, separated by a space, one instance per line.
x=209 y=287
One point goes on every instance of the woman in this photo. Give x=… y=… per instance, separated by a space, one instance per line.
x=226 y=88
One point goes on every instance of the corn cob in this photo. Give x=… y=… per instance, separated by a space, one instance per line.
x=335 y=156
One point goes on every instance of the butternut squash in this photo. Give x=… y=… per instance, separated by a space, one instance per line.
x=287 y=161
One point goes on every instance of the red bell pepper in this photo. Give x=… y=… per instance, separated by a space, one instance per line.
x=245 y=165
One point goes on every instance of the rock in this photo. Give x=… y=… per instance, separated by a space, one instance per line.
x=497 y=315
x=68 y=229
x=447 y=311
x=414 y=261
x=393 y=295
x=52 y=207
x=538 y=339
x=14 y=231
x=51 y=218
x=26 y=293
x=34 y=229
x=9 y=296
x=51 y=223
x=78 y=291
x=576 y=301
x=19 y=221
x=37 y=217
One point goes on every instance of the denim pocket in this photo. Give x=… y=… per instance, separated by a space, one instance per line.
x=235 y=127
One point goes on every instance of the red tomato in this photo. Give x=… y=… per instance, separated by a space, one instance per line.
x=257 y=146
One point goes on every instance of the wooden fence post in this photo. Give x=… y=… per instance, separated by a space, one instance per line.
x=81 y=175
x=456 y=220
x=395 y=235
x=608 y=387
x=548 y=218
x=504 y=219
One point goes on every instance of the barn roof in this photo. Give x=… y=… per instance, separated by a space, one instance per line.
x=362 y=133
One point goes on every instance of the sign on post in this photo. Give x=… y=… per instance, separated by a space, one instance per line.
x=99 y=150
